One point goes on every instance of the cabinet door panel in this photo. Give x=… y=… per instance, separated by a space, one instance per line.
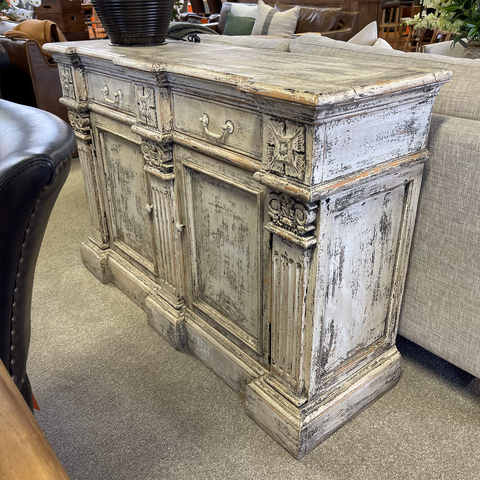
x=128 y=191
x=226 y=237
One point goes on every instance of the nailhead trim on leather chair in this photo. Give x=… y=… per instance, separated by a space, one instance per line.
x=35 y=154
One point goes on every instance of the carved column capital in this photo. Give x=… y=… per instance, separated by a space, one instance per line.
x=292 y=219
x=158 y=156
x=80 y=124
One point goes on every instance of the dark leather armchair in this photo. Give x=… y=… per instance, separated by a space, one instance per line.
x=35 y=153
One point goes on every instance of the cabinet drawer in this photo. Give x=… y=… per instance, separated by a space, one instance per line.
x=111 y=91
x=219 y=124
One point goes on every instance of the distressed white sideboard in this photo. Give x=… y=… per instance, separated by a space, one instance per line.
x=259 y=206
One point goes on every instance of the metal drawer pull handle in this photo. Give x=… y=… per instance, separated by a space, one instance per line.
x=226 y=129
x=117 y=97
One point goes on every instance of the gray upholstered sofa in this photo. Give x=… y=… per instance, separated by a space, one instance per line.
x=441 y=305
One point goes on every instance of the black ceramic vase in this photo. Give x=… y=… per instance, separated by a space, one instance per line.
x=135 y=22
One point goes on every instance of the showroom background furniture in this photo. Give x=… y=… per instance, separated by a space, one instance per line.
x=31 y=78
x=441 y=303
x=370 y=10
x=315 y=21
x=67 y=14
x=35 y=153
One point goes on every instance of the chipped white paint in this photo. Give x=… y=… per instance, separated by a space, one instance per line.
x=271 y=241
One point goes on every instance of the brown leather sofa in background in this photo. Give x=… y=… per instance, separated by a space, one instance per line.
x=369 y=10
x=330 y=22
x=31 y=78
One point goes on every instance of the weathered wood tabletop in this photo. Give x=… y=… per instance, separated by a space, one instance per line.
x=304 y=79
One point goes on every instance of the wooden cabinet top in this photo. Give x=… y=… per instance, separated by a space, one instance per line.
x=303 y=79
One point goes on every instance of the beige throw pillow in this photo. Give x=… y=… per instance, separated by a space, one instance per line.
x=381 y=43
x=367 y=36
x=244 y=10
x=272 y=22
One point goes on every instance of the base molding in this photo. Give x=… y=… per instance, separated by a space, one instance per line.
x=96 y=261
x=164 y=314
x=300 y=429
x=228 y=361
x=295 y=423
x=167 y=321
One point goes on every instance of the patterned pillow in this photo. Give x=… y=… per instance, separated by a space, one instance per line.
x=272 y=22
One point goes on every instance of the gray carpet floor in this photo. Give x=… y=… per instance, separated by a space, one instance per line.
x=118 y=403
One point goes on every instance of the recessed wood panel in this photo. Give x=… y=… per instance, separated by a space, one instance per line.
x=362 y=252
x=129 y=194
x=227 y=250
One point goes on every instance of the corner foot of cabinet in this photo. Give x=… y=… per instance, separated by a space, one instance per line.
x=300 y=429
x=166 y=320
x=96 y=260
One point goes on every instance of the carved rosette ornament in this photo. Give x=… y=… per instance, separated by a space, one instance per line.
x=157 y=155
x=81 y=124
x=290 y=215
x=286 y=148
x=66 y=80
x=145 y=105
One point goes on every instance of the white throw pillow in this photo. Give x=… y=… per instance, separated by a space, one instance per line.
x=242 y=10
x=367 y=36
x=272 y=22
x=381 y=43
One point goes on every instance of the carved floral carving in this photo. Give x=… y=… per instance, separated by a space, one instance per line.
x=66 y=80
x=79 y=124
x=288 y=214
x=286 y=148
x=158 y=155
x=145 y=103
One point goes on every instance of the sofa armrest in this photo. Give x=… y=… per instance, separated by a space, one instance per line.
x=349 y=20
x=347 y=27
x=342 y=34
x=296 y=35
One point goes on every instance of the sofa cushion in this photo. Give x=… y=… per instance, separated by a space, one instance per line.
x=272 y=22
x=244 y=10
x=239 y=9
x=277 y=45
x=441 y=302
x=311 y=19
x=458 y=98
x=238 y=25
